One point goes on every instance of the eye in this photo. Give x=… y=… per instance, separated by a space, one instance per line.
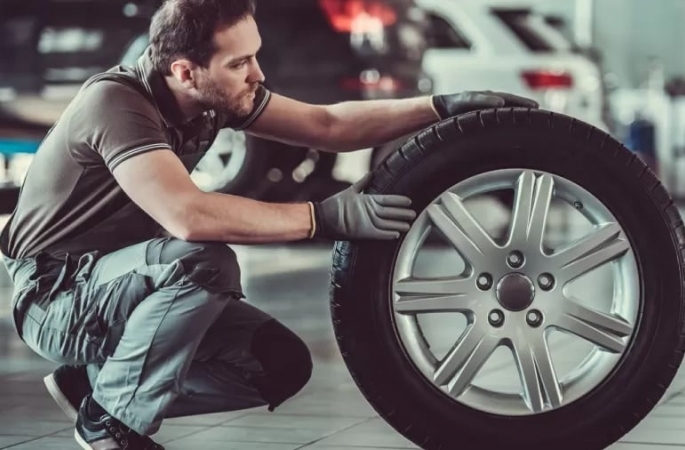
x=240 y=65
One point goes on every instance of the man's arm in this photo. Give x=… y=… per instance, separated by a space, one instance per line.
x=342 y=127
x=159 y=184
x=355 y=125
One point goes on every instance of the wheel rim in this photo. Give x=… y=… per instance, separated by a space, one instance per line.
x=513 y=294
x=223 y=161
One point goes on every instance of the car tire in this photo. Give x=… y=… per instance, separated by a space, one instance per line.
x=381 y=153
x=363 y=302
x=263 y=168
x=230 y=165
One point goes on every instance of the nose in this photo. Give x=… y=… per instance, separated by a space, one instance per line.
x=256 y=74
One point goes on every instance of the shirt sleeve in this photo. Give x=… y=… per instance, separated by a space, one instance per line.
x=117 y=123
x=262 y=97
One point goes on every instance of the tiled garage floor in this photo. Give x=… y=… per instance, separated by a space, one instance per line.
x=330 y=414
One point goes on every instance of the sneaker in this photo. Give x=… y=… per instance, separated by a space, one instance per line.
x=97 y=430
x=68 y=386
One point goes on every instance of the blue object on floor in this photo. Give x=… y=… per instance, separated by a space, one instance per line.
x=642 y=137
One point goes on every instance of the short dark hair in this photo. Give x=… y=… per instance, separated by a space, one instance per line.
x=185 y=29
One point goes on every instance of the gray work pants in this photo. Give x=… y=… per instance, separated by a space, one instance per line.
x=161 y=326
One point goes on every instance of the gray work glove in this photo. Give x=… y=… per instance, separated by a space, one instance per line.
x=447 y=106
x=351 y=215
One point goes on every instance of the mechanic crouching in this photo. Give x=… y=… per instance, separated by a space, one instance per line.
x=120 y=265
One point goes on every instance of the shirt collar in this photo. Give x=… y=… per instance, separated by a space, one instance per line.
x=156 y=86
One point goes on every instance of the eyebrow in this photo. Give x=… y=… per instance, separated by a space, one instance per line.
x=243 y=57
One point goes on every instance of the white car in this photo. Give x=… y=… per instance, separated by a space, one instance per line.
x=508 y=45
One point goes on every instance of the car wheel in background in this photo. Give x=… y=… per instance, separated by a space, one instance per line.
x=240 y=164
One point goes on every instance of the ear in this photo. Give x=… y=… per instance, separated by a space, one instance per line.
x=183 y=71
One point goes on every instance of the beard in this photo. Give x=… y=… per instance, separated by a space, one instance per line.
x=238 y=106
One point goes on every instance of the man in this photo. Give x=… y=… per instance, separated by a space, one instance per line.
x=121 y=269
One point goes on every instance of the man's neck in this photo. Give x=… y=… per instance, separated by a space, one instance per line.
x=189 y=107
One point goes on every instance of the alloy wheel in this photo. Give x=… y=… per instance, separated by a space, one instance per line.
x=514 y=293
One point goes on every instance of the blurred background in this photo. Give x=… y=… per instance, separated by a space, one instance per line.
x=616 y=64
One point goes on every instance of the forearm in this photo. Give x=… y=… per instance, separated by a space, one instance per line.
x=363 y=124
x=238 y=220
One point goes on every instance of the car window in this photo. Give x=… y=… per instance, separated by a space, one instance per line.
x=442 y=34
x=528 y=29
x=561 y=28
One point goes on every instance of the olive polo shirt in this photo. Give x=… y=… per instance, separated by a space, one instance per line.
x=69 y=201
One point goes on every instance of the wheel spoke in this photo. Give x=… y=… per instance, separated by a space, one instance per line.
x=461 y=228
x=437 y=295
x=590 y=252
x=523 y=205
x=537 y=374
x=435 y=286
x=544 y=188
x=211 y=163
x=465 y=360
x=603 y=330
x=531 y=207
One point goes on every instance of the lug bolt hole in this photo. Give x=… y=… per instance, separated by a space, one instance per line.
x=546 y=281
x=515 y=259
x=496 y=318
x=484 y=281
x=534 y=318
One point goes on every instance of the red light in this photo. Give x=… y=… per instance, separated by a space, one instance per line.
x=348 y=15
x=543 y=79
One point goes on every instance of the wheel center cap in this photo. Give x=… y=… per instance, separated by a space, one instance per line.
x=515 y=292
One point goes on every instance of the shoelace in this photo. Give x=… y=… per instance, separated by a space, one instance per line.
x=120 y=433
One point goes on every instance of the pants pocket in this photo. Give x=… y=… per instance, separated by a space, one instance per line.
x=36 y=313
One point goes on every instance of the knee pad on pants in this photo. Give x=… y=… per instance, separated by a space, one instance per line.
x=286 y=361
x=211 y=265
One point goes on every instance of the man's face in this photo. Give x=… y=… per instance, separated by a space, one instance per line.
x=233 y=75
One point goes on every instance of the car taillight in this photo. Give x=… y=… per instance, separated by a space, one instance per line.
x=347 y=16
x=546 y=79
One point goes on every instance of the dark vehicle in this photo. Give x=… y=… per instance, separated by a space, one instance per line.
x=50 y=47
x=318 y=51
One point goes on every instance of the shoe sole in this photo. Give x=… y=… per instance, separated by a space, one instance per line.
x=56 y=393
x=84 y=445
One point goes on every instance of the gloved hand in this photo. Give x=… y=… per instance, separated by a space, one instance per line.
x=351 y=214
x=447 y=106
